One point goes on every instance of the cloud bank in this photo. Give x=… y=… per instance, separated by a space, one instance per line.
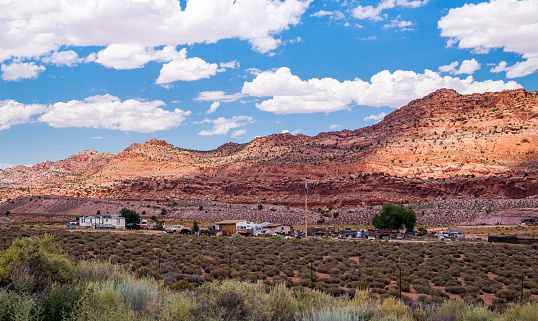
x=106 y=111
x=14 y=113
x=507 y=24
x=33 y=28
x=290 y=94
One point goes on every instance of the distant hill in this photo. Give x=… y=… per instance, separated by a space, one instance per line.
x=443 y=145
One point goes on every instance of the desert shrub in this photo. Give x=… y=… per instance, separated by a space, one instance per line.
x=15 y=307
x=59 y=301
x=422 y=289
x=508 y=295
x=366 y=312
x=456 y=289
x=526 y=312
x=395 y=309
x=282 y=304
x=312 y=300
x=138 y=295
x=231 y=300
x=33 y=263
x=181 y=285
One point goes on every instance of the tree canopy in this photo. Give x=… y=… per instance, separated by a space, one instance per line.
x=195 y=227
x=130 y=216
x=394 y=217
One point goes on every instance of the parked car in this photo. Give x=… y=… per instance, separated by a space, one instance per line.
x=175 y=229
x=132 y=226
x=72 y=224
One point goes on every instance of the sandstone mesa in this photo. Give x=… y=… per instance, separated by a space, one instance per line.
x=443 y=145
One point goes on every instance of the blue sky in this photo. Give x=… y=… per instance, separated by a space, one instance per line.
x=103 y=74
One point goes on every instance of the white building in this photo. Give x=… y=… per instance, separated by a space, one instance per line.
x=279 y=228
x=115 y=221
x=251 y=227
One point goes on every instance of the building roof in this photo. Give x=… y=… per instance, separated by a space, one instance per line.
x=278 y=224
x=229 y=222
x=93 y=216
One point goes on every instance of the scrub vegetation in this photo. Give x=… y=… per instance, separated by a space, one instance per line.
x=100 y=276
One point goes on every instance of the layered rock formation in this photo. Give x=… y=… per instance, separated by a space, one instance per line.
x=443 y=145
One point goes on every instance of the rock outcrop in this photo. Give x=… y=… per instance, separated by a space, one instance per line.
x=443 y=145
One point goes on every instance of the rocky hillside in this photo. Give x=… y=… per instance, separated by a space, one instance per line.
x=46 y=173
x=51 y=208
x=443 y=145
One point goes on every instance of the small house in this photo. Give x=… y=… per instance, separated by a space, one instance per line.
x=456 y=233
x=530 y=221
x=277 y=228
x=230 y=226
x=251 y=228
x=115 y=221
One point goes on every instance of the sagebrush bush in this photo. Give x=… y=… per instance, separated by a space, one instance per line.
x=34 y=263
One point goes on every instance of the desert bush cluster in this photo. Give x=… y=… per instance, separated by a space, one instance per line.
x=496 y=275
x=39 y=282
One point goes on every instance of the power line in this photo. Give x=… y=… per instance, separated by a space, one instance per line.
x=35 y=145
x=20 y=155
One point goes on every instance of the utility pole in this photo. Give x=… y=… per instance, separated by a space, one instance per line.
x=305 y=210
x=521 y=301
x=400 y=267
x=311 y=274
x=257 y=210
x=400 y=282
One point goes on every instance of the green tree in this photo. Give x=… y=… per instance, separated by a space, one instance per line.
x=195 y=227
x=130 y=216
x=395 y=217
x=159 y=225
x=422 y=231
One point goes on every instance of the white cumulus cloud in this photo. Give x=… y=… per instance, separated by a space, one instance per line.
x=377 y=117
x=334 y=126
x=110 y=112
x=63 y=58
x=218 y=96
x=33 y=28
x=213 y=107
x=14 y=113
x=400 y=24
x=290 y=94
x=188 y=69
x=466 y=67
x=132 y=56
x=17 y=71
x=238 y=133
x=232 y=64
x=506 y=24
x=337 y=15
x=374 y=13
x=177 y=67
x=221 y=125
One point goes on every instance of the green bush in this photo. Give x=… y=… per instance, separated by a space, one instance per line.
x=60 y=301
x=15 y=307
x=31 y=264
